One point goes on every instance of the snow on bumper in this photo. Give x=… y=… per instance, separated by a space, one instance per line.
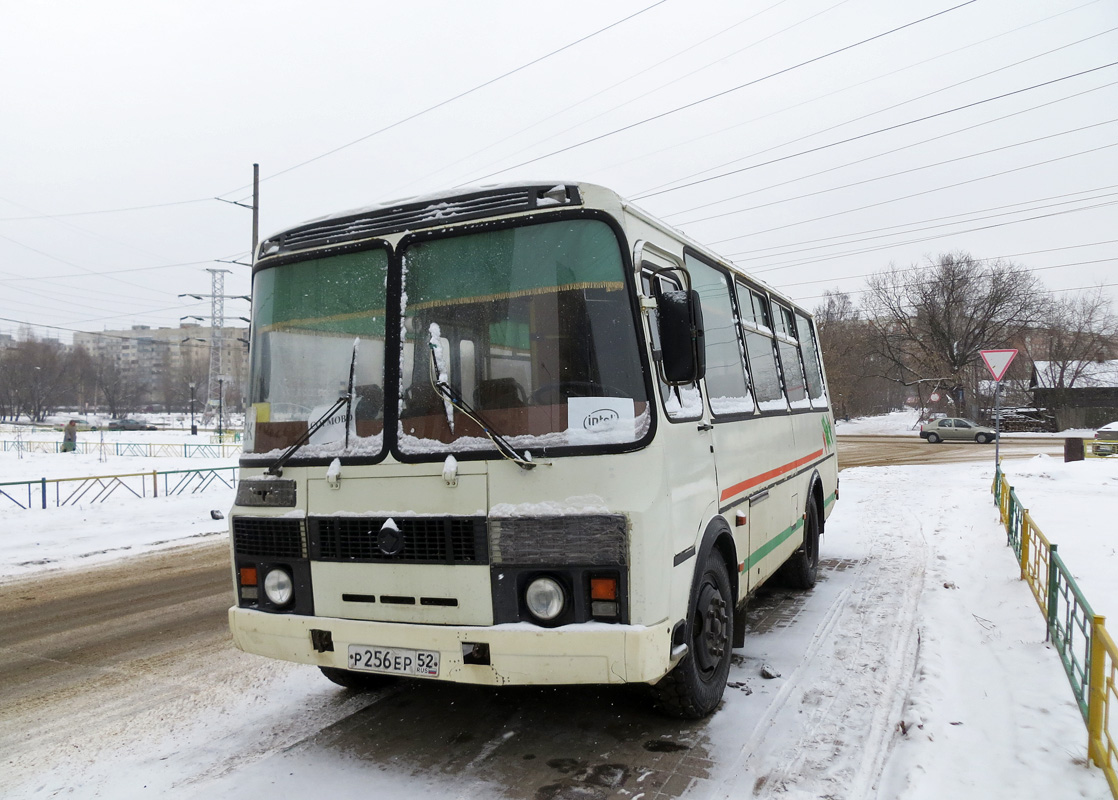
x=519 y=653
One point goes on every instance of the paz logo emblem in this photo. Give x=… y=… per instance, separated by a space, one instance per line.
x=390 y=540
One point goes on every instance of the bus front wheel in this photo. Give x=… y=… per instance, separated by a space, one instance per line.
x=694 y=688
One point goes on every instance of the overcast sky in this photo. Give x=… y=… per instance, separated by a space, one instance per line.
x=736 y=121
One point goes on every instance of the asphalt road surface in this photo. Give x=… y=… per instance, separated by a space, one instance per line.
x=102 y=661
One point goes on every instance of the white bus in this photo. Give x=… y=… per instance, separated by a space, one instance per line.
x=525 y=434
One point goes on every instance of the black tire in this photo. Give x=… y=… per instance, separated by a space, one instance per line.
x=358 y=681
x=802 y=570
x=695 y=687
x=933 y=438
x=984 y=438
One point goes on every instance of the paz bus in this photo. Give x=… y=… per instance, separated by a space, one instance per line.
x=524 y=434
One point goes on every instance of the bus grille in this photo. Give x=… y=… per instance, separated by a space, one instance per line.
x=440 y=540
x=598 y=539
x=268 y=537
x=415 y=216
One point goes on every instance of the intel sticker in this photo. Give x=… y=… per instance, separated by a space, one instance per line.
x=592 y=419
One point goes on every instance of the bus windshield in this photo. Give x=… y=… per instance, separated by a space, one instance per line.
x=532 y=327
x=314 y=321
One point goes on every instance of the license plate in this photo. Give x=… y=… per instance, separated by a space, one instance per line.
x=393 y=660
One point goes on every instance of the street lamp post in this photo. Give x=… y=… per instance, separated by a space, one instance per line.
x=220 y=397
x=193 y=427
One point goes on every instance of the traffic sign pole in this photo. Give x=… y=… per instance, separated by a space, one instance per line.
x=998 y=361
x=997 y=425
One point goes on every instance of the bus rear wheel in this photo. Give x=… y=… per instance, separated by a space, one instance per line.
x=358 y=681
x=802 y=569
x=695 y=687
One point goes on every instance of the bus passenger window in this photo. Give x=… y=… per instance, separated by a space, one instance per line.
x=760 y=348
x=812 y=363
x=791 y=363
x=727 y=386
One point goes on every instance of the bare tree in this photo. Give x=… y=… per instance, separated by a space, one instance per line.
x=930 y=323
x=120 y=391
x=852 y=364
x=37 y=375
x=1072 y=332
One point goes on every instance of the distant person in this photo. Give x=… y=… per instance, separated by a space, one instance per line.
x=70 y=437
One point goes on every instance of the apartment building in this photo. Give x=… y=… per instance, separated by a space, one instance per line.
x=161 y=362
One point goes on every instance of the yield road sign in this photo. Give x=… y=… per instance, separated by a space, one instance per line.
x=998 y=361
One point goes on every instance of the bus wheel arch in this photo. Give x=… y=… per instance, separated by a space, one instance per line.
x=694 y=688
x=801 y=571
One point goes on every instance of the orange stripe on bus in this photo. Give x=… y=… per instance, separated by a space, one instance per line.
x=738 y=488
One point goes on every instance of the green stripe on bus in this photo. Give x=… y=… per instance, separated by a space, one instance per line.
x=830 y=499
x=762 y=551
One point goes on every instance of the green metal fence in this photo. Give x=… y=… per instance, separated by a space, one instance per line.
x=1079 y=635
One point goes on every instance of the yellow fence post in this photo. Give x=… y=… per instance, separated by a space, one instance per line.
x=1026 y=529
x=1096 y=695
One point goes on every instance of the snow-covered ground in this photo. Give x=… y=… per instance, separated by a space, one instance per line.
x=36 y=539
x=918 y=668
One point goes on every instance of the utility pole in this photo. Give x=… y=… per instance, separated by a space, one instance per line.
x=255 y=213
x=217 y=297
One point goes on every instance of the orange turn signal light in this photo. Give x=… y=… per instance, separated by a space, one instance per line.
x=248 y=576
x=603 y=588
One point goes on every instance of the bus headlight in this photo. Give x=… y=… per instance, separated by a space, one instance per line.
x=545 y=598
x=279 y=587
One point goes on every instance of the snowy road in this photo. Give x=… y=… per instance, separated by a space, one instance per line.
x=120 y=681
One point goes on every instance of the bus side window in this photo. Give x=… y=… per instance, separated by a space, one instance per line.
x=761 y=349
x=681 y=403
x=791 y=362
x=813 y=364
x=726 y=379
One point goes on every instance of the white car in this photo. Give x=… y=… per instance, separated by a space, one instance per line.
x=956 y=429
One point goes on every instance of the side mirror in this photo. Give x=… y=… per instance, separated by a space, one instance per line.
x=681 y=336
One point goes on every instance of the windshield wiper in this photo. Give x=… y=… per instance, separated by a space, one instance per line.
x=345 y=400
x=446 y=391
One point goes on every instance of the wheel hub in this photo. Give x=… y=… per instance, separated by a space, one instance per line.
x=711 y=636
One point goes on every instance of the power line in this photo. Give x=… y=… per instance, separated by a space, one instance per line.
x=38 y=279
x=1026 y=269
x=934 y=219
x=883 y=153
x=723 y=93
x=931 y=227
x=863 y=251
x=918 y=283
x=926 y=95
x=899 y=173
x=711 y=133
x=876 y=132
x=919 y=194
x=449 y=100
x=107 y=210
x=631 y=100
x=72 y=264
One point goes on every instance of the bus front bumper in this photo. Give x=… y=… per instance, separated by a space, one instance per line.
x=519 y=653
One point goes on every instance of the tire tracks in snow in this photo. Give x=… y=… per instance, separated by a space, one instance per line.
x=829 y=729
